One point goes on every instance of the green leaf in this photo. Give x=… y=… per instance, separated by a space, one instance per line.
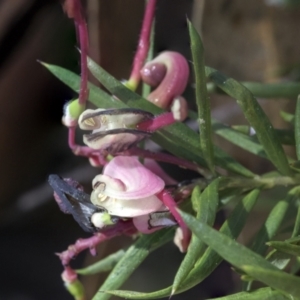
x=255 y=116
x=297 y=128
x=104 y=265
x=266 y=90
x=210 y=259
x=239 y=136
x=177 y=135
x=262 y=294
x=270 y=227
x=286 y=136
x=72 y=80
x=278 y=259
x=296 y=230
x=133 y=257
x=202 y=99
x=285 y=247
x=273 y=90
x=275 y=278
x=239 y=139
x=232 y=227
x=243 y=258
x=206 y=206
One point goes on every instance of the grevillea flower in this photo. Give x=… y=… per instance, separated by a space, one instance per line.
x=113 y=130
x=127 y=189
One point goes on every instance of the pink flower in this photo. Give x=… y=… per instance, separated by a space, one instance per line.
x=113 y=130
x=127 y=189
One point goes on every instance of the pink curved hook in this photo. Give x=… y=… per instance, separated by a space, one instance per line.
x=169 y=71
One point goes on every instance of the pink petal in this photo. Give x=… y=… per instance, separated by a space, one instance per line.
x=139 y=182
x=154 y=167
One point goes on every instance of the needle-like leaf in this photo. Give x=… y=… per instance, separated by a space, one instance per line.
x=202 y=99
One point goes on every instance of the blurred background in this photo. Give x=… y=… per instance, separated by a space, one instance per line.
x=248 y=40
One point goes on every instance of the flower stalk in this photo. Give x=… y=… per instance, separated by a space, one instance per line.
x=143 y=46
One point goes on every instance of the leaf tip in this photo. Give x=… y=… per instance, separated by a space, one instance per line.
x=43 y=64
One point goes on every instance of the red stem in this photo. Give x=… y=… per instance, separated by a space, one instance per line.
x=69 y=275
x=143 y=45
x=157 y=122
x=74 y=10
x=170 y=203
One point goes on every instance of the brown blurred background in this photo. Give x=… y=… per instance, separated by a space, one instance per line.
x=248 y=40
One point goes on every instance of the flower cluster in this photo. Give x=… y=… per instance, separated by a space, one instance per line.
x=127 y=197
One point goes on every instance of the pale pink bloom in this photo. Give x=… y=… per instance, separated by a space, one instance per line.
x=127 y=188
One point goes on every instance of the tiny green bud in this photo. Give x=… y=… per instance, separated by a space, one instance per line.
x=76 y=289
x=72 y=110
x=102 y=219
x=131 y=84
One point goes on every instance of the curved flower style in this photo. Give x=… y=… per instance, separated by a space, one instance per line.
x=169 y=73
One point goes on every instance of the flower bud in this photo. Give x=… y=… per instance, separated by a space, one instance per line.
x=72 y=110
x=113 y=130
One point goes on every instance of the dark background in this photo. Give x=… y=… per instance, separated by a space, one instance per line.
x=248 y=40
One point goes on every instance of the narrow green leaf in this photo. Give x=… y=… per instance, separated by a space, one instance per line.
x=239 y=139
x=206 y=205
x=202 y=99
x=72 y=80
x=286 y=136
x=266 y=90
x=239 y=135
x=275 y=278
x=285 y=247
x=270 y=227
x=278 y=259
x=297 y=128
x=260 y=294
x=232 y=227
x=243 y=258
x=296 y=266
x=255 y=116
x=282 y=259
x=269 y=230
x=296 y=230
x=179 y=135
x=133 y=257
x=210 y=259
x=273 y=90
x=104 y=265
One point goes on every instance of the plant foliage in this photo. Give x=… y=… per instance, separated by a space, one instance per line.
x=209 y=247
